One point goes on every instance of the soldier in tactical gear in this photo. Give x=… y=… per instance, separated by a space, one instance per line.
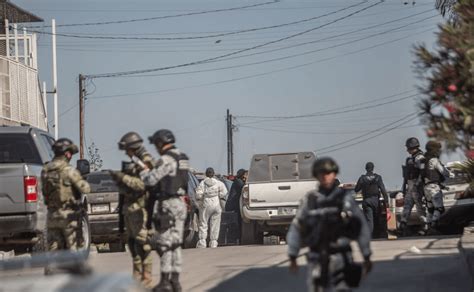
x=412 y=185
x=433 y=174
x=133 y=197
x=62 y=187
x=169 y=181
x=327 y=219
x=371 y=185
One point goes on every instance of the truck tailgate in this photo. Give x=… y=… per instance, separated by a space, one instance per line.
x=278 y=194
x=12 y=196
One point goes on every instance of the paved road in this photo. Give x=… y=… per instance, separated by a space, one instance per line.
x=400 y=265
x=414 y=264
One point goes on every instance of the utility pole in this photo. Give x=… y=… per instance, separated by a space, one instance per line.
x=82 y=89
x=230 y=144
x=55 y=80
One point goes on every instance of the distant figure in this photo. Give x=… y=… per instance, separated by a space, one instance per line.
x=209 y=192
x=233 y=200
x=433 y=174
x=371 y=185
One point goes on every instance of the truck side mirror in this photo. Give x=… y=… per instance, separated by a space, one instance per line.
x=83 y=166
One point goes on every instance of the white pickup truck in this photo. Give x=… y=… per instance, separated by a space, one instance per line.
x=270 y=198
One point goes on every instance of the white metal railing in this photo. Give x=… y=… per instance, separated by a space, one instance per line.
x=21 y=101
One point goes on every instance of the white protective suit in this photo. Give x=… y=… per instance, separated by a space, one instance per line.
x=209 y=193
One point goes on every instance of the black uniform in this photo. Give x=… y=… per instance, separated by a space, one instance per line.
x=371 y=185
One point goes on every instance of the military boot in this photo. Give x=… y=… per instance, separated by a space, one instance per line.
x=403 y=229
x=137 y=269
x=147 y=276
x=175 y=282
x=164 y=285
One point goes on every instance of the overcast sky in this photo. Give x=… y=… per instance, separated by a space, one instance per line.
x=359 y=64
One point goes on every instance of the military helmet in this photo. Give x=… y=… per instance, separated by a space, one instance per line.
x=369 y=166
x=163 y=137
x=325 y=165
x=433 y=146
x=131 y=140
x=64 y=145
x=412 y=143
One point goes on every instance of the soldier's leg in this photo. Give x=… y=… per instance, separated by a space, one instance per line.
x=369 y=214
x=143 y=247
x=179 y=213
x=438 y=205
x=136 y=260
x=429 y=203
x=203 y=226
x=408 y=203
x=70 y=235
x=215 y=222
x=55 y=239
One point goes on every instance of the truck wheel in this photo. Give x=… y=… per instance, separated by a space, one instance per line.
x=250 y=234
x=84 y=235
x=190 y=236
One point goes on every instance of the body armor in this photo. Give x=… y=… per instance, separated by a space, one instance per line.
x=177 y=185
x=59 y=191
x=432 y=175
x=410 y=171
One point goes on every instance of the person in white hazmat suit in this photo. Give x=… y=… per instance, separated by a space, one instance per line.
x=209 y=193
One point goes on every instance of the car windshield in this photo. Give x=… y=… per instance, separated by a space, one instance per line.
x=459 y=178
x=101 y=183
x=18 y=148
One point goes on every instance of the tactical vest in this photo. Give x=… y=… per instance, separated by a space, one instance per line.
x=170 y=186
x=411 y=171
x=370 y=188
x=59 y=188
x=432 y=175
x=130 y=196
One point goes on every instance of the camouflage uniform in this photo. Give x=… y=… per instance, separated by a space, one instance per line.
x=169 y=178
x=135 y=215
x=62 y=187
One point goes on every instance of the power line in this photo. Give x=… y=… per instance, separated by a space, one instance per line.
x=371 y=132
x=284 y=57
x=367 y=139
x=159 y=17
x=256 y=75
x=123 y=73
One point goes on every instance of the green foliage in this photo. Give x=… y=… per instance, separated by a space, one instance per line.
x=448 y=87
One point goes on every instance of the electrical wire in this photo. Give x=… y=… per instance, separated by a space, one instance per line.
x=159 y=17
x=123 y=73
x=256 y=75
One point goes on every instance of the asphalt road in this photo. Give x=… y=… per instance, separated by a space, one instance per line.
x=412 y=264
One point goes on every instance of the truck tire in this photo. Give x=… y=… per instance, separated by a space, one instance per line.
x=85 y=234
x=117 y=246
x=190 y=236
x=42 y=244
x=250 y=234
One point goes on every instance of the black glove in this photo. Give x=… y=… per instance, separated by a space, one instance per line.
x=117 y=175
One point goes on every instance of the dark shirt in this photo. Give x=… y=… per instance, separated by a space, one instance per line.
x=371 y=184
x=233 y=200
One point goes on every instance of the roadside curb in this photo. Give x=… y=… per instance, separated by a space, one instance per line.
x=466 y=247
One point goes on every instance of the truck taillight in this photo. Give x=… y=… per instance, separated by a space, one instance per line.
x=31 y=188
x=245 y=195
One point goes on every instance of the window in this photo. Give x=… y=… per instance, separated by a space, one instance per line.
x=18 y=148
x=48 y=143
x=102 y=183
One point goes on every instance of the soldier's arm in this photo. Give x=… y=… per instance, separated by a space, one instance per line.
x=222 y=190
x=200 y=190
x=441 y=168
x=358 y=186
x=382 y=189
x=44 y=190
x=133 y=183
x=293 y=237
x=153 y=177
x=79 y=184
x=364 y=236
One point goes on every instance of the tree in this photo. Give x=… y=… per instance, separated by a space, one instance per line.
x=448 y=87
x=446 y=7
x=94 y=157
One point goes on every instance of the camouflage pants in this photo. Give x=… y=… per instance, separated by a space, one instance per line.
x=137 y=233
x=170 y=215
x=434 y=202
x=336 y=263
x=413 y=197
x=61 y=231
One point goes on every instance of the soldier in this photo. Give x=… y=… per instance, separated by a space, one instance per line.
x=433 y=174
x=412 y=184
x=371 y=185
x=169 y=179
x=132 y=205
x=327 y=220
x=62 y=186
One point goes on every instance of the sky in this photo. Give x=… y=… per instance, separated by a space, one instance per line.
x=341 y=84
